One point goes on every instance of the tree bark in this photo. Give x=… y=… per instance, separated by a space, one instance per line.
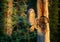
x=8 y=18
x=40 y=36
x=42 y=8
x=46 y=13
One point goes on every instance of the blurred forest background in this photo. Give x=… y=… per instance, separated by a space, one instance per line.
x=15 y=13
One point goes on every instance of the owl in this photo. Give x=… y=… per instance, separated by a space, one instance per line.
x=31 y=19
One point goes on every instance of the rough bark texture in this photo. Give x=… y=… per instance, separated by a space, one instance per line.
x=8 y=18
x=47 y=30
x=42 y=10
x=40 y=35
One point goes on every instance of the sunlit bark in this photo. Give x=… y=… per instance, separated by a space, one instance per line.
x=42 y=8
x=47 y=31
x=8 y=18
x=40 y=35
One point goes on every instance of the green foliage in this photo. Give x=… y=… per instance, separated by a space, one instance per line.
x=21 y=32
x=1 y=16
x=22 y=29
x=53 y=9
x=14 y=16
x=20 y=23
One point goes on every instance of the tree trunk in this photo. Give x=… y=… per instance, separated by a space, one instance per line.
x=40 y=36
x=47 y=31
x=8 y=18
x=42 y=9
